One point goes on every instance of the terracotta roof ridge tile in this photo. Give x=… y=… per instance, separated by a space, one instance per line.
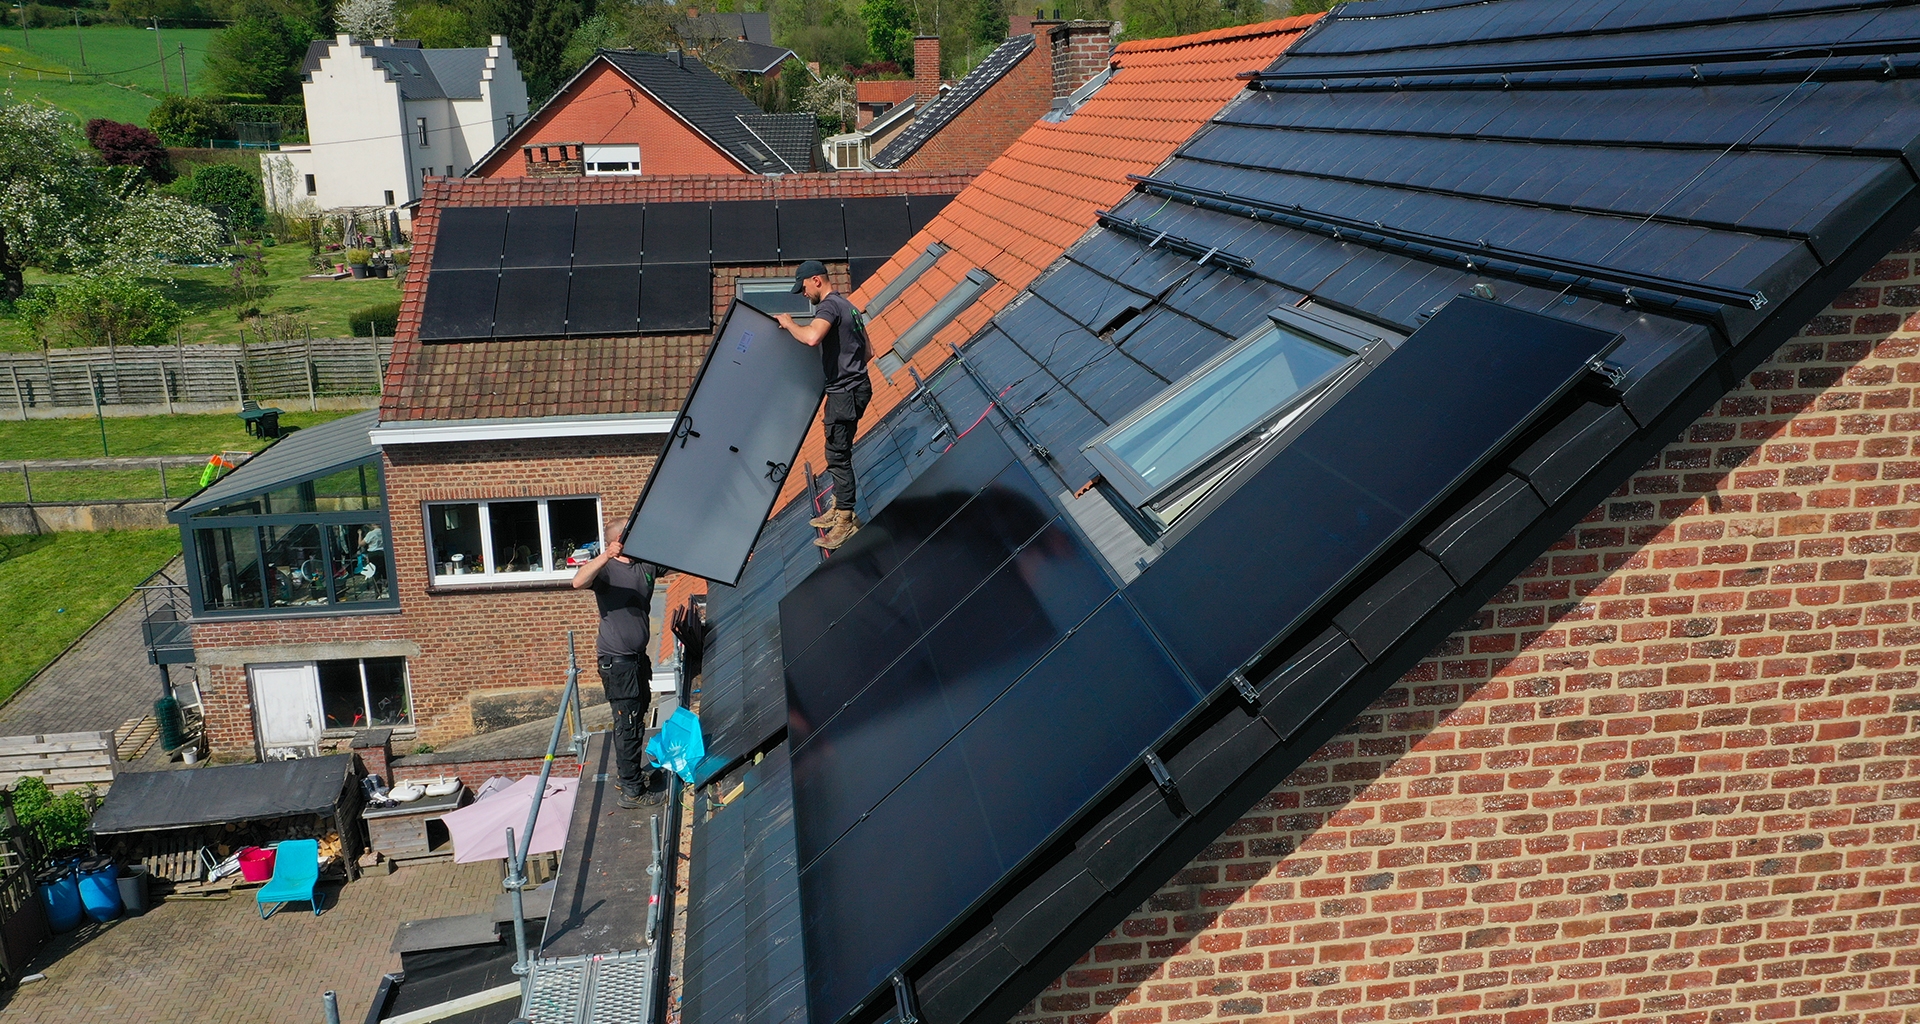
x=1261 y=28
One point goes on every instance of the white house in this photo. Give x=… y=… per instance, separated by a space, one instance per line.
x=382 y=117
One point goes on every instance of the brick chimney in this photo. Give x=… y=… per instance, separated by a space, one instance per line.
x=1081 y=50
x=926 y=70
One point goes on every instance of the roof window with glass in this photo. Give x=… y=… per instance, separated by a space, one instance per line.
x=957 y=299
x=1167 y=455
x=896 y=287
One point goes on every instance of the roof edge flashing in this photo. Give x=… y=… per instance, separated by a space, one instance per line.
x=531 y=428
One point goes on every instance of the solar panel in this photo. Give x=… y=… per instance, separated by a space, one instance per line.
x=1327 y=504
x=608 y=235
x=679 y=233
x=676 y=297
x=469 y=237
x=860 y=268
x=604 y=300
x=811 y=229
x=459 y=304
x=730 y=450
x=746 y=231
x=539 y=236
x=532 y=303
x=877 y=226
x=922 y=209
x=781 y=301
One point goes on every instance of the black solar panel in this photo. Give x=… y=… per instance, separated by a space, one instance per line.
x=877 y=226
x=604 y=300
x=539 y=236
x=676 y=297
x=746 y=231
x=532 y=303
x=679 y=233
x=922 y=209
x=608 y=235
x=811 y=229
x=469 y=237
x=860 y=268
x=459 y=304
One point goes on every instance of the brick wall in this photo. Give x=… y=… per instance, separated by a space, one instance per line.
x=991 y=122
x=468 y=639
x=726 y=279
x=1081 y=50
x=1671 y=773
x=926 y=69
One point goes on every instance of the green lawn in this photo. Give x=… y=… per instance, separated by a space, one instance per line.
x=204 y=292
x=131 y=55
x=54 y=586
x=79 y=438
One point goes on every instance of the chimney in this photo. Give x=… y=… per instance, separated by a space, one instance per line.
x=926 y=70
x=1081 y=50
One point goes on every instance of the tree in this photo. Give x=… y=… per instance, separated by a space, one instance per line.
x=180 y=121
x=889 y=29
x=440 y=26
x=539 y=31
x=228 y=191
x=648 y=25
x=257 y=56
x=1157 y=19
x=129 y=145
x=101 y=310
x=831 y=99
x=365 y=19
x=989 y=22
x=61 y=210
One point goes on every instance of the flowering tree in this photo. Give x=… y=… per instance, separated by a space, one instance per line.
x=365 y=19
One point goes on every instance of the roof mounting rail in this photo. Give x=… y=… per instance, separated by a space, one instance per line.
x=1157 y=239
x=1606 y=283
x=993 y=399
x=1683 y=58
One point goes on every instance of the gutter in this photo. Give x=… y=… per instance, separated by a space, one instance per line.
x=445 y=431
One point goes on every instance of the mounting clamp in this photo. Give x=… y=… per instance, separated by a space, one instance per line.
x=906 y=1007
x=1164 y=779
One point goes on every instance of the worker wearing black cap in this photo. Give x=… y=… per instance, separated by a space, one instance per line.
x=837 y=330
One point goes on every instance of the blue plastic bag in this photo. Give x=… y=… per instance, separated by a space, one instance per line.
x=678 y=745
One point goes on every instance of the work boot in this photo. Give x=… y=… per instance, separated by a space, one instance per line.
x=825 y=519
x=653 y=794
x=845 y=525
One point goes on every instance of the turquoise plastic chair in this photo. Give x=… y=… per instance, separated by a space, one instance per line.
x=296 y=877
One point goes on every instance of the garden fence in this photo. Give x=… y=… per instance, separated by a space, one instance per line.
x=162 y=377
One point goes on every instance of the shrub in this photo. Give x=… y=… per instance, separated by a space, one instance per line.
x=129 y=145
x=187 y=122
x=379 y=319
x=226 y=190
x=100 y=311
x=62 y=824
x=359 y=257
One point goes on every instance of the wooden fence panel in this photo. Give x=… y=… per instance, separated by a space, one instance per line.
x=191 y=374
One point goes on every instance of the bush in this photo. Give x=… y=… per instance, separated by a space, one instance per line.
x=187 y=122
x=62 y=824
x=100 y=311
x=226 y=190
x=379 y=319
x=359 y=257
x=129 y=145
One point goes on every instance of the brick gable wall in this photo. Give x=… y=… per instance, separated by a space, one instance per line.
x=1671 y=773
x=604 y=107
x=991 y=123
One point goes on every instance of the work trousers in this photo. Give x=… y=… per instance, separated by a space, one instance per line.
x=842 y=420
x=628 y=695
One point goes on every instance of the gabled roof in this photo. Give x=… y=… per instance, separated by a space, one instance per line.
x=1655 y=185
x=942 y=111
x=748 y=58
x=422 y=74
x=888 y=91
x=701 y=98
x=791 y=136
x=752 y=26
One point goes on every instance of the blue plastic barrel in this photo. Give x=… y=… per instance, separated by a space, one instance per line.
x=60 y=891
x=100 y=890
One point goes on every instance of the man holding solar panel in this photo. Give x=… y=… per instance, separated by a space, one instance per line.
x=841 y=336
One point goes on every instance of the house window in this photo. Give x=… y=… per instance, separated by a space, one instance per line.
x=389 y=195
x=309 y=545
x=494 y=541
x=613 y=159
x=509 y=122
x=771 y=295
x=962 y=295
x=421 y=123
x=360 y=693
x=425 y=174
x=905 y=278
x=1168 y=453
x=311 y=190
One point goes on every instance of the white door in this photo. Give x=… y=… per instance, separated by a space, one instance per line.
x=286 y=707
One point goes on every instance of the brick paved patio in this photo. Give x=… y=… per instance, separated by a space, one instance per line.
x=218 y=963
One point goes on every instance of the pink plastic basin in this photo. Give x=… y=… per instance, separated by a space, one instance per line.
x=256 y=864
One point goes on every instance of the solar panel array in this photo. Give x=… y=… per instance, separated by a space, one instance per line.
x=554 y=271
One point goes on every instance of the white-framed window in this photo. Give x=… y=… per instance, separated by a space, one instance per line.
x=621 y=159
x=421 y=124
x=511 y=539
x=772 y=295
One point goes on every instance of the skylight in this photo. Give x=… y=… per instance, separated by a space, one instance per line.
x=962 y=295
x=906 y=277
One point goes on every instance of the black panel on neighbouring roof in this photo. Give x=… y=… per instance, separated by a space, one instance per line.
x=539 y=236
x=922 y=209
x=860 y=268
x=679 y=233
x=459 y=304
x=609 y=235
x=469 y=237
x=811 y=229
x=604 y=300
x=676 y=297
x=532 y=303
x=877 y=226
x=745 y=231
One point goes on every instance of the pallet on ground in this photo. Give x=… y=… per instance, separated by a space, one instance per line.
x=65 y=760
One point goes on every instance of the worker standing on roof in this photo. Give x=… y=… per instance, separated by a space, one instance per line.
x=841 y=336
x=623 y=588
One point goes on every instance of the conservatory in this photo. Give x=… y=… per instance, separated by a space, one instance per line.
x=300 y=528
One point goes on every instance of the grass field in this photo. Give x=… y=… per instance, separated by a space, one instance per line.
x=138 y=435
x=54 y=586
x=121 y=77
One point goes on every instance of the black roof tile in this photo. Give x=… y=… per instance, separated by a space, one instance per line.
x=714 y=108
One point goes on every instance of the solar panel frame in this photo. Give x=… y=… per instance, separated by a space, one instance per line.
x=921 y=210
x=610 y=235
x=679 y=233
x=604 y=300
x=746 y=231
x=676 y=297
x=876 y=226
x=459 y=304
x=812 y=229
x=532 y=302
x=539 y=236
x=469 y=238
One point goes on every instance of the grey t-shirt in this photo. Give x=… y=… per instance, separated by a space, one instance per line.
x=843 y=350
x=624 y=592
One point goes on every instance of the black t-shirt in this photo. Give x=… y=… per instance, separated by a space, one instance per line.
x=624 y=592
x=843 y=350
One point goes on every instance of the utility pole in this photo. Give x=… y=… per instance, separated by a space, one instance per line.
x=162 y=51
x=81 y=37
x=183 y=72
x=25 y=43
